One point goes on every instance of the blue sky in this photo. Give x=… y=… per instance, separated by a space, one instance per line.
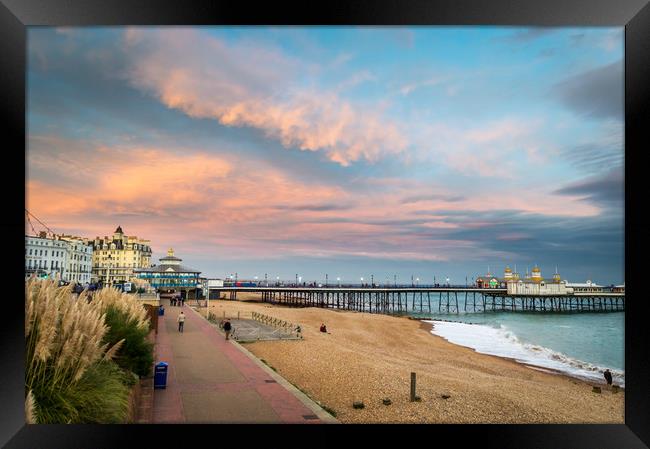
x=343 y=150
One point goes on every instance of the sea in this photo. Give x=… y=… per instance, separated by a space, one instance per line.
x=580 y=345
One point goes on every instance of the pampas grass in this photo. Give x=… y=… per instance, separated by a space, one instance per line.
x=64 y=353
x=112 y=297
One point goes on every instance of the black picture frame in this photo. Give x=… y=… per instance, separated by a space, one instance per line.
x=16 y=15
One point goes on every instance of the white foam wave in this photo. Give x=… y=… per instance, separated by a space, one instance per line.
x=503 y=343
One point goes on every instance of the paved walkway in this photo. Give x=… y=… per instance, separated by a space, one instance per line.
x=211 y=380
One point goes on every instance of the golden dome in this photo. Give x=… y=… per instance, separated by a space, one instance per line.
x=536 y=269
x=508 y=270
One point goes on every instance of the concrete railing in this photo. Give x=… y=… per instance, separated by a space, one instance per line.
x=277 y=323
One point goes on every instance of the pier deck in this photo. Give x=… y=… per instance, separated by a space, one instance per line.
x=431 y=299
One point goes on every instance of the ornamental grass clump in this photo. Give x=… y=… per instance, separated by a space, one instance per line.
x=127 y=321
x=128 y=304
x=70 y=377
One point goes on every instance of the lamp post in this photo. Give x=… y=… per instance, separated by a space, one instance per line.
x=338 y=279
x=266 y=280
x=109 y=258
x=372 y=280
x=362 y=282
x=417 y=280
x=447 y=282
x=277 y=280
x=326 y=280
x=395 y=280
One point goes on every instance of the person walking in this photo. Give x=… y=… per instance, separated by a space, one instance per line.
x=181 y=321
x=227 y=327
x=608 y=377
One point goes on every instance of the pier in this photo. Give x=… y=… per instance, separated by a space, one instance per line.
x=430 y=299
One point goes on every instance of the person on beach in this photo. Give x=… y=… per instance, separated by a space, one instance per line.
x=227 y=328
x=608 y=377
x=181 y=321
x=323 y=328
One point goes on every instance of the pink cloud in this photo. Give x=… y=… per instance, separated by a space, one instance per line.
x=183 y=196
x=255 y=86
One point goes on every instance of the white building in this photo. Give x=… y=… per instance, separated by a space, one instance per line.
x=537 y=288
x=64 y=256
x=80 y=259
x=585 y=287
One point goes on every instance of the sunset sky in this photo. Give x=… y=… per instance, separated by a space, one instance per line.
x=352 y=151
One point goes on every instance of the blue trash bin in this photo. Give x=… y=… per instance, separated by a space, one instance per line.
x=161 y=310
x=160 y=375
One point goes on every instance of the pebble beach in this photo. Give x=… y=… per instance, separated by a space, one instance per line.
x=369 y=358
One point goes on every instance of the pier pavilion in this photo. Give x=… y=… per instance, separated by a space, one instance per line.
x=172 y=277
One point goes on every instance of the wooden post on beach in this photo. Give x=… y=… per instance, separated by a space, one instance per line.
x=412 y=387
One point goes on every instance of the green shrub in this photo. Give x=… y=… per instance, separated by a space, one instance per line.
x=136 y=353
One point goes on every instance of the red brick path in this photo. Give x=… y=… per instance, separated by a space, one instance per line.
x=210 y=379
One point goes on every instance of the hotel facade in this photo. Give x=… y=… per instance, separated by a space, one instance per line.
x=116 y=259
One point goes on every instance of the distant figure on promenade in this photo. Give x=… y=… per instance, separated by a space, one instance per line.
x=172 y=301
x=182 y=301
x=323 y=328
x=227 y=327
x=181 y=321
x=608 y=377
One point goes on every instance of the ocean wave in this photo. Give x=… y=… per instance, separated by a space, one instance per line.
x=504 y=343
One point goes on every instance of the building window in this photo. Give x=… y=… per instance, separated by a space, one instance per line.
x=30 y=251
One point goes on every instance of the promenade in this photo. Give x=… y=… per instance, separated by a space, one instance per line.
x=211 y=380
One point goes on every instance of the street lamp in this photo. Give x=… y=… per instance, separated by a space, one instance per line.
x=362 y=282
x=108 y=264
x=338 y=279
x=447 y=282
x=418 y=281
